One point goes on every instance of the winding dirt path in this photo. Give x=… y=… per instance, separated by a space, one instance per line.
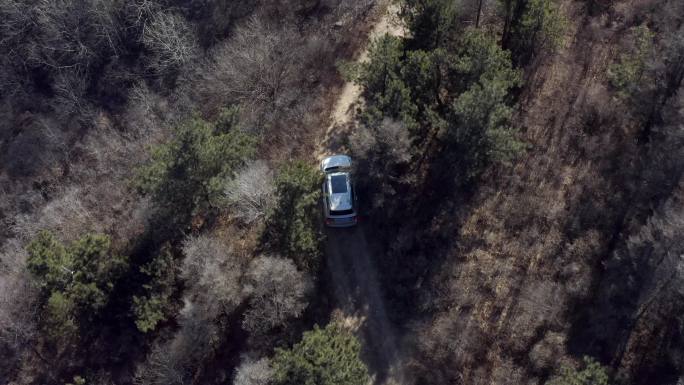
x=349 y=260
x=342 y=115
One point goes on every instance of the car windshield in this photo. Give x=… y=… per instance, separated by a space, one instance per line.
x=339 y=184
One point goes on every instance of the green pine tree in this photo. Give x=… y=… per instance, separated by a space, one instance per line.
x=591 y=373
x=627 y=73
x=188 y=173
x=457 y=92
x=76 y=280
x=294 y=227
x=153 y=305
x=531 y=26
x=328 y=356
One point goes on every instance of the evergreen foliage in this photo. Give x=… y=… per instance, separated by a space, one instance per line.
x=293 y=228
x=188 y=173
x=153 y=306
x=592 y=373
x=431 y=22
x=328 y=356
x=627 y=73
x=76 y=280
x=531 y=26
x=457 y=94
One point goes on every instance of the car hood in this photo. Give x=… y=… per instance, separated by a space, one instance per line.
x=335 y=162
x=340 y=202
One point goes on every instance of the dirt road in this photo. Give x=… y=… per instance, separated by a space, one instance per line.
x=361 y=304
x=342 y=115
x=350 y=263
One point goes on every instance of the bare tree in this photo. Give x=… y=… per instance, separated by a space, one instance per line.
x=18 y=310
x=659 y=247
x=40 y=147
x=19 y=307
x=177 y=360
x=71 y=34
x=277 y=292
x=70 y=87
x=258 y=68
x=251 y=193
x=253 y=372
x=161 y=368
x=171 y=40
x=65 y=214
x=213 y=273
x=213 y=276
x=149 y=116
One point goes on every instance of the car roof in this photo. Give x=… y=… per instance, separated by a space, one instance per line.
x=340 y=200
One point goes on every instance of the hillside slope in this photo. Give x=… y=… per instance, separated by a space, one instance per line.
x=563 y=252
x=519 y=166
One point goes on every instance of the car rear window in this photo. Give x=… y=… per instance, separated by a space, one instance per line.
x=339 y=184
x=341 y=212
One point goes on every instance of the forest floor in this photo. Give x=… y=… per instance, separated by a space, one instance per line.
x=358 y=295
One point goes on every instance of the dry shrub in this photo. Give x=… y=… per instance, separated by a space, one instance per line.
x=172 y=42
x=598 y=110
x=66 y=214
x=101 y=377
x=161 y=368
x=252 y=193
x=178 y=360
x=506 y=372
x=259 y=68
x=389 y=137
x=95 y=197
x=253 y=372
x=213 y=275
x=455 y=337
x=541 y=305
x=547 y=353
x=19 y=308
x=277 y=293
x=576 y=274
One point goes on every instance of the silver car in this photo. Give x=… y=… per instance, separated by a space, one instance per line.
x=339 y=198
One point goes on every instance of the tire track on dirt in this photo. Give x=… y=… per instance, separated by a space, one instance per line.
x=359 y=298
